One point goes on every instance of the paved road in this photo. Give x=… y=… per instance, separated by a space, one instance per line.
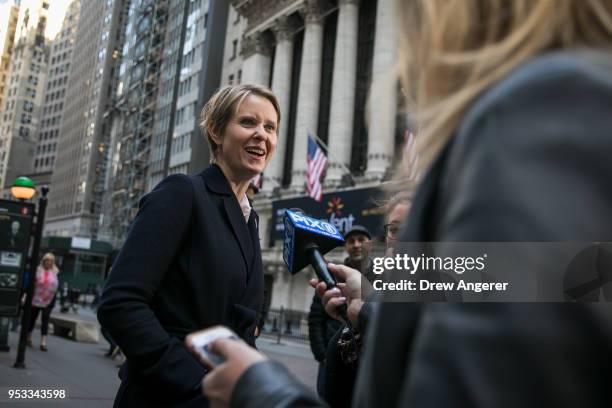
x=90 y=379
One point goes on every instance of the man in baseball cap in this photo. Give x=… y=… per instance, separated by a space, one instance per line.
x=357 y=241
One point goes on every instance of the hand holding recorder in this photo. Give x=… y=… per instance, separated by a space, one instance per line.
x=345 y=295
x=228 y=357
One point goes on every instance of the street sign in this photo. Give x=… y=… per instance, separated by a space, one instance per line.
x=16 y=220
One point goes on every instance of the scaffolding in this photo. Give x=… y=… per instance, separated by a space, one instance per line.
x=137 y=111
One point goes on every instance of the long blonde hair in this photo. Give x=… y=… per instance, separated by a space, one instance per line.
x=453 y=50
x=51 y=257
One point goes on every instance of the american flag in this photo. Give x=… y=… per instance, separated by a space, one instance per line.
x=317 y=161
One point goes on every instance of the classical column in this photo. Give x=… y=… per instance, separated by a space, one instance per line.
x=256 y=65
x=343 y=91
x=383 y=96
x=308 y=96
x=281 y=86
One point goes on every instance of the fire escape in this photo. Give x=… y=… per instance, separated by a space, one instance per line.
x=138 y=110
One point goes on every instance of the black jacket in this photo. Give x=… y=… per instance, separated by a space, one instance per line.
x=190 y=261
x=321 y=328
x=338 y=376
x=529 y=162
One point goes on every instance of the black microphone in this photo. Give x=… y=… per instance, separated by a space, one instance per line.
x=306 y=240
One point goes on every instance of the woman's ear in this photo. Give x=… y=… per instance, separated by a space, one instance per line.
x=213 y=134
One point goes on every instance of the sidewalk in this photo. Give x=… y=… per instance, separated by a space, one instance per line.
x=90 y=379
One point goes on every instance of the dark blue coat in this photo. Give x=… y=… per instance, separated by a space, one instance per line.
x=190 y=261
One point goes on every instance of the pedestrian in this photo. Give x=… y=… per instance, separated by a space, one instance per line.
x=343 y=352
x=64 y=294
x=192 y=258
x=75 y=295
x=324 y=331
x=97 y=291
x=44 y=297
x=396 y=212
x=357 y=243
x=513 y=103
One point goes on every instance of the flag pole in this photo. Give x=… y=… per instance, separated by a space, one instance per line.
x=342 y=165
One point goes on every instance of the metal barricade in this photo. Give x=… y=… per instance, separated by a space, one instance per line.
x=286 y=324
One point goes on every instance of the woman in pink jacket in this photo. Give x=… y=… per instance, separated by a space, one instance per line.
x=44 y=296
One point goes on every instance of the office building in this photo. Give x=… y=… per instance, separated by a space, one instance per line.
x=24 y=90
x=81 y=162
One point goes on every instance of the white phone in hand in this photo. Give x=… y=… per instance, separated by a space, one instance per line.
x=199 y=343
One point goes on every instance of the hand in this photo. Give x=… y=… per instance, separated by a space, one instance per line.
x=218 y=385
x=348 y=292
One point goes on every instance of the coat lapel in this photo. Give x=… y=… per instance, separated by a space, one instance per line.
x=253 y=228
x=236 y=218
x=255 y=277
x=216 y=182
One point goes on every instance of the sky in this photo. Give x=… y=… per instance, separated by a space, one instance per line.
x=57 y=9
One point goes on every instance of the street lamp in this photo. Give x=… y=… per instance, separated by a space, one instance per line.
x=24 y=189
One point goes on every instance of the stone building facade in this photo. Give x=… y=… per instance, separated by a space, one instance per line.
x=331 y=64
x=60 y=59
x=24 y=90
x=9 y=14
x=81 y=163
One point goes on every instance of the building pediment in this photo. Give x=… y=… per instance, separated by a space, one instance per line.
x=258 y=11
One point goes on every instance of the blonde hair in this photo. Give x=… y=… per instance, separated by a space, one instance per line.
x=403 y=197
x=451 y=51
x=51 y=257
x=223 y=105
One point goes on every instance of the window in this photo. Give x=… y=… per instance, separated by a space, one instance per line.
x=28 y=106
x=298 y=43
x=230 y=80
x=194 y=5
x=365 y=40
x=234 y=49
x=327 y=67
x=239 y=78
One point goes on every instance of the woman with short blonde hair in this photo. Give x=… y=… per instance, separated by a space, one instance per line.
x=219 y=110
x=192 y=258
